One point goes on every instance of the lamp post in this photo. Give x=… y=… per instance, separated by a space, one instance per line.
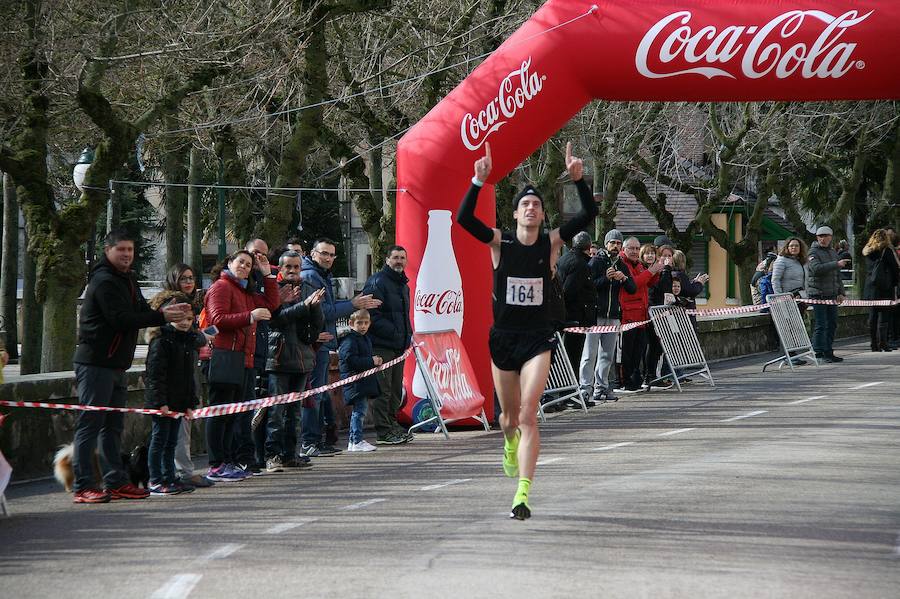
x=81 y=167
x=78 y=174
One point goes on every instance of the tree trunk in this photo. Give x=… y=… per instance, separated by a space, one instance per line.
x=194 y=224
x=280 y=204
x=174 y=171
x=32 y=318
x=59 y=323
x=746 y=269
x=9 y=272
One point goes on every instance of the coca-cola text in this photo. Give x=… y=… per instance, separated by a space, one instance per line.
x=445 y=302
x=755 y=51
x=449 y=377
x=517 y=88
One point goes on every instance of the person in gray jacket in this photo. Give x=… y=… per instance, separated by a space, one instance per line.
x=789 y=272
x=823 y=281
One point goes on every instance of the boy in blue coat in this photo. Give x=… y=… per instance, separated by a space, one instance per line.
x=355 y=356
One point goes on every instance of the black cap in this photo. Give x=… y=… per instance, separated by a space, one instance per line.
x=528 y=190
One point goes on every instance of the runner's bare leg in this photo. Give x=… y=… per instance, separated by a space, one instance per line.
x=532 y=381
x=506 y=383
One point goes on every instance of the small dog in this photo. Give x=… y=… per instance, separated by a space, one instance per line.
x=135 y=465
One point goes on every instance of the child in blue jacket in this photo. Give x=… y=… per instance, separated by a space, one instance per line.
x=355 y=356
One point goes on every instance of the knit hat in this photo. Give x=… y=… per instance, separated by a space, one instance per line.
x=528 y=190
x=824 y=231
x=581 y=241
x=662 y=240
x=613 y=235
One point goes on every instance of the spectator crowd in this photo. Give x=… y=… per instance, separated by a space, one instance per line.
x=259 y=329
x=268 y=325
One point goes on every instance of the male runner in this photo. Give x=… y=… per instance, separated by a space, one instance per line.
x=522 y=337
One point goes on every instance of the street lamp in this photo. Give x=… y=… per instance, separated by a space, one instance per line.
x=78 y=174
x=81 y=167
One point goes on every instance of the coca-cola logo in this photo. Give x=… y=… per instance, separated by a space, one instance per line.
x=516 y=89
x=449 y=301
x=755 y=51
x=449 y=377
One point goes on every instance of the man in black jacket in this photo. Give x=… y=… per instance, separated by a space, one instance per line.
x=112 y=313
x=294 y=327
x=391 y=332
x=609 y=275
x=579 y=294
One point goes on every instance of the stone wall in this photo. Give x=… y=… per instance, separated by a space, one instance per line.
x=724 y=337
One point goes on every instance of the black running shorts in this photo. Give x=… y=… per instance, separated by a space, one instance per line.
x=511 y=349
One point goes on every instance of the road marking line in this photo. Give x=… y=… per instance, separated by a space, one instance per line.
x=362 y=504
x=549 y=461
x=748 y=415
x=177 y=587
x=799 y=401
x=613 y=446
x=286 y=526
x=457 y=481
x=866 y=385
x=676 y=432
x=222 y=552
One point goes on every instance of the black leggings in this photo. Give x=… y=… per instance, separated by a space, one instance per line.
x=634 y=342
x=220 y=441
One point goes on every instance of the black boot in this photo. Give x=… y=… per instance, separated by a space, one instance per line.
x=883 y=335
x=331 y=437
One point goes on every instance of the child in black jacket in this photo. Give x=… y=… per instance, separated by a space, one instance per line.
x=355 y=356
x=169 y=381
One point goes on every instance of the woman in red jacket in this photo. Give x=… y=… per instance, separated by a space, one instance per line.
x=234 y=308
x=634 y=309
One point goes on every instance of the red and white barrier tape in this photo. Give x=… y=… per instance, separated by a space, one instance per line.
x=210 y=411
x=851 y=303
x=607 y=328
x=614 y=328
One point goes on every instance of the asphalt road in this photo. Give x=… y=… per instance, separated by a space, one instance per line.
x=775 y=485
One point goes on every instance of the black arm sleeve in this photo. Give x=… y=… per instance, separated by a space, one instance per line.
x=584 y=216
x=465 y=216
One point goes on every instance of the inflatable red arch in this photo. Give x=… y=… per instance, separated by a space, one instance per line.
x=571 y=52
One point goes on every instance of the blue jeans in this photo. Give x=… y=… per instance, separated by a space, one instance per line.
x=358 y=420
x=315 y=410
x=283 y=419
x=823 y=330
x=161 y=453
x=99 y=386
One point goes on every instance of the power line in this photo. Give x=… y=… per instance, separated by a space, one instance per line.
x=266 y=188
x=235 y=121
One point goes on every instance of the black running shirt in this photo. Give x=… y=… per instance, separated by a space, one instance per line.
x=522 y=285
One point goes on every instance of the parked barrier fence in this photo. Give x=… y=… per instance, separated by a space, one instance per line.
x=791 y=331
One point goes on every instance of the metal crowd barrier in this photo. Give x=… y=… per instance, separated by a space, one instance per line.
x=791 y=331
x=562 y=380
x=680 y=345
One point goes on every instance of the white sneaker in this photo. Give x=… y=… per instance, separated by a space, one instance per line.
x=361 y=446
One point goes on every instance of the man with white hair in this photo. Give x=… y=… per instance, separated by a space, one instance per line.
x=823 y=281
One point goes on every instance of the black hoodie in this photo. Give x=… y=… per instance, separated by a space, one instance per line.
x=112 y=313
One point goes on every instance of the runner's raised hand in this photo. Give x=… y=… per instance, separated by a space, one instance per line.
x=574 y=165
x=483 y=165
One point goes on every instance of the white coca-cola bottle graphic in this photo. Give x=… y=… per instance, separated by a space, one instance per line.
x=439 y=298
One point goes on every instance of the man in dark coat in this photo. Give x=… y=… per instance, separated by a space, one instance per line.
x=112 y=313
x=294 y=327
x=579 y=293
x=823 y=281
x=390 y=333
